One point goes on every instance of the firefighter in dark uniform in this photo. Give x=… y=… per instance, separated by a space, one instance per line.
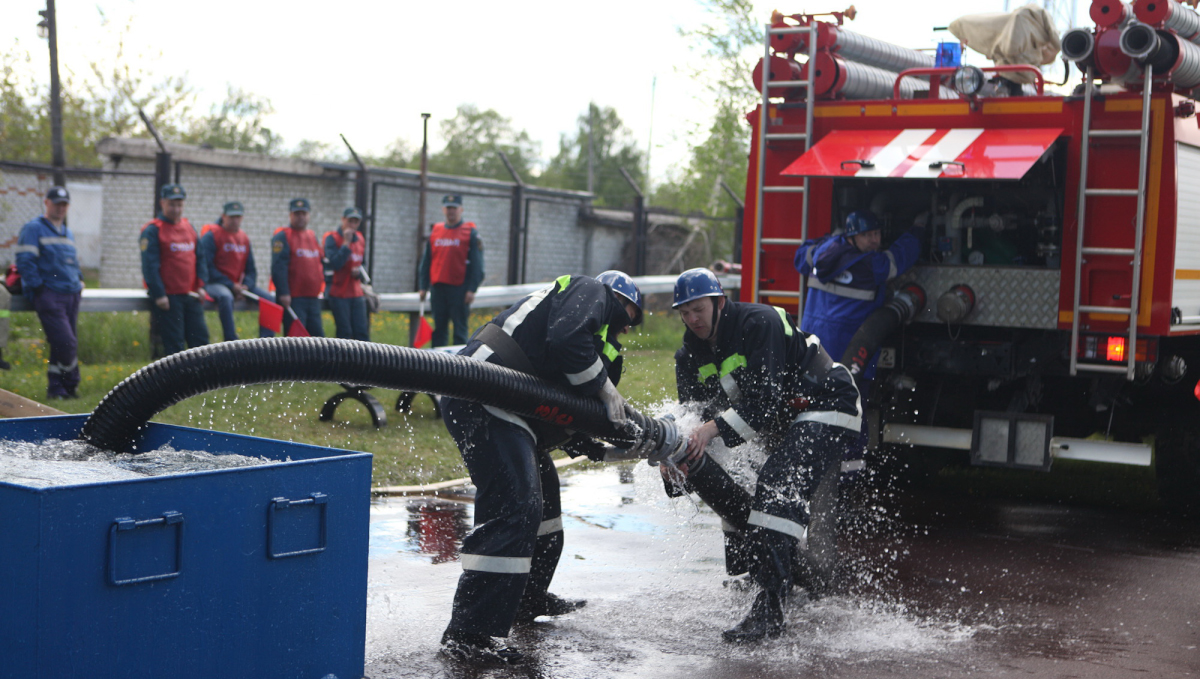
x=453 y=263
x=757 y=377
x=174 y=273
x=344 y=253
x=566 y=334
x=296 y=268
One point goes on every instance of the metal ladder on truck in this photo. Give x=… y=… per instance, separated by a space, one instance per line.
x=764 y=136
x=1135 y=253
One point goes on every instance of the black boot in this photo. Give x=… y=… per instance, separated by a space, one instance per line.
x=478 y=649
x=764 y=620
x=547 y=604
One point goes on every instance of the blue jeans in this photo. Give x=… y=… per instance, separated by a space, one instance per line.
x=223 y=296
x=350 y=317
x=308 y=310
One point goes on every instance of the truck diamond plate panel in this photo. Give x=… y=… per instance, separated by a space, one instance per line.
x=1009 y=297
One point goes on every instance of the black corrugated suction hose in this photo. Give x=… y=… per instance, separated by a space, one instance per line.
x=901 y=309
x=115 y=423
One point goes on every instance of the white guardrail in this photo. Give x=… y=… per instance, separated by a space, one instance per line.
x=488 y=296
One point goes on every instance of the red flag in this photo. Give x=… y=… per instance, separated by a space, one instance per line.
x=297 y=329
x=270 y=315
x=424 y=334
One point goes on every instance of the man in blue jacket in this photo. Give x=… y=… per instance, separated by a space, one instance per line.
x=50 y=279
x=847 y=279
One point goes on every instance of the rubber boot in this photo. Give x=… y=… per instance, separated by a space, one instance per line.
x=764 y=620
x=479 y=649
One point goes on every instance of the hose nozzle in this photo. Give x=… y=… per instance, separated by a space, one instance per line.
x=668 y=444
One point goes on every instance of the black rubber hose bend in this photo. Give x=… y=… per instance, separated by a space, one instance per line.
x=902 y=308
x=115 y=423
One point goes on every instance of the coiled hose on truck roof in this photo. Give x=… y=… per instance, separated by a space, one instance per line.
x=115 y=423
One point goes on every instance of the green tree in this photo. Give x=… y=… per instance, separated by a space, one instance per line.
x=398 y=154
x=238 y=123
x=614 y=148
x=473 y=138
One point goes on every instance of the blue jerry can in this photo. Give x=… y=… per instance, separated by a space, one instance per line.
x=245 y=572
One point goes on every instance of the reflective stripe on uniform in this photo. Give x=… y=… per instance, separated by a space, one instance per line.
x=56 y=240
x=516 y=565
x=739 y=425
x=779 y=525
x=56 y=368
x=833 y=418
x=608 y=350
x=563 y=282
x=31 y=249
x=892 y=271
x=550 y=526
x=842 y=290
x=787 y=327
x=707 y=371
x=518 y=317
x=853 y=465
x=730 y=386
x=585 y=376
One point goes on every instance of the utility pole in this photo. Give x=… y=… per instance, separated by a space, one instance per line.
x=591 y=177
x=650 y=137
x=48 y=24
x=412 y=317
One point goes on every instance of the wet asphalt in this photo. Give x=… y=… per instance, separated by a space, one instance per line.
x=932 y=584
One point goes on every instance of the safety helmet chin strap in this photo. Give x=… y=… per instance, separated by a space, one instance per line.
x=716 y=312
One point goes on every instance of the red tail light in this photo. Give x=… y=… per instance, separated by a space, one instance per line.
x=1116 y=350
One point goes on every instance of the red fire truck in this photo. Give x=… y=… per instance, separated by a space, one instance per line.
x=1055 y=308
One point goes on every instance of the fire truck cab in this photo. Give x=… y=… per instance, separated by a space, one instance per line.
x=1060 y=269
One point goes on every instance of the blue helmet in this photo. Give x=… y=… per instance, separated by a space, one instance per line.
x=860 y=221
x=622 y=284
x=694 y=284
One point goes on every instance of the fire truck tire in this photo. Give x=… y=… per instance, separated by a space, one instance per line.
x=1177 y=465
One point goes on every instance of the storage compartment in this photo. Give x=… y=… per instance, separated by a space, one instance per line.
x=244 y=572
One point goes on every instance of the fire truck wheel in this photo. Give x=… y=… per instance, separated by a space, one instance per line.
x=1177 y=463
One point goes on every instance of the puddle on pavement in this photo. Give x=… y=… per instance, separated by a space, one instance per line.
x=652 y=569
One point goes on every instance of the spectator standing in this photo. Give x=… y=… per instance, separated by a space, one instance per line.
x=296 y=268
x=452 y=267
x=344 y=250
x=174 y=274
x=229 y=260
x=50 y=278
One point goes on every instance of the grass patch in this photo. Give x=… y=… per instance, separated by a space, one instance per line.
x=413 y=448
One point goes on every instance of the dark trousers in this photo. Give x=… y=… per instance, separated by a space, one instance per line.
x=448 y=305
x=791 y=516
x=513 y=550
x=308 y=310
x=58 y=312
x=350 y=317
x=182 y=325
x=223 y=297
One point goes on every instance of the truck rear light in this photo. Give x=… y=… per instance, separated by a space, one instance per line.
x=1196 y=391
x=1116 y=350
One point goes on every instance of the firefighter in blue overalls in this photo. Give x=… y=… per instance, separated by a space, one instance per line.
x=452 y=268
x=567 y=334
x=847 y=279
x=756 y=377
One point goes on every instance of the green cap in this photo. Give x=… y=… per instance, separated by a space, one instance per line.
x=172 y=192
x=352 y=213
x=299 y=205
x=234 y=209
x=452 y=200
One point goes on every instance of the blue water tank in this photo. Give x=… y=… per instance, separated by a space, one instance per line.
x=244 y=572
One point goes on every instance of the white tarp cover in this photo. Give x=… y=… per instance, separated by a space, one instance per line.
x=1025 y=35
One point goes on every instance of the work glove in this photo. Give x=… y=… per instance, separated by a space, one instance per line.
x=372 y=298
x=581 y=445
x=614 y=403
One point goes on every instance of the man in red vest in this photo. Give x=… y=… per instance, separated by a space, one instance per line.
x=296 y=268
x=173 y=273
x=453 y=263
x=344 y=250
x=230 y=263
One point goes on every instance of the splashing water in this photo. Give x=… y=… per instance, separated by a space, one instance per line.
x=53 y=462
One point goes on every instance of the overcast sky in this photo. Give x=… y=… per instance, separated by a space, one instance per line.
x=368 y=68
